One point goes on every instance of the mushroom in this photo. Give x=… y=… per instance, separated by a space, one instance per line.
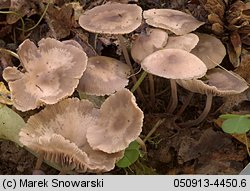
x=174 y=64
x=114 y=18
x=178 y=22
x=51 y=73
x=103 y=76
x=144 y=45
x=210 y=50
x=58 y=133
x=185 y=42
x=219 y=83
x=147 y=43
x=119 y=123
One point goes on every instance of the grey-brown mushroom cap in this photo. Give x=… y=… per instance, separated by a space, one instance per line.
x=210 y=50
x=59 y=131
x=146 y=44
x=178 y=22
x=119 y=123
x=219 y=83
x=112 y=18
x=174 y=64
x=51 y=73
x=104 y=76
x=185 y=42
x=101 y=161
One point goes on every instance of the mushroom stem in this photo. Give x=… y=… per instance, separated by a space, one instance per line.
x=127 y=59
x=151 y=89
x=202 y=116
x=64 y=171
x=39 y=161
x=185 y=104
x=173 y=100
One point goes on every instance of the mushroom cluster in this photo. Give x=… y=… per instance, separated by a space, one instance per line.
x=75 y=135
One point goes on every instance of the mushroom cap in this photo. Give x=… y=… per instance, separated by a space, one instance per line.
x=178 y=22
x=174 y=64
x=51 y=73
x=119 y=123
x=185 y=42
x=103 y=76
x=210 y=50
x=146 y=44
x=59 y=131
x=112 y=18
x=219 y=83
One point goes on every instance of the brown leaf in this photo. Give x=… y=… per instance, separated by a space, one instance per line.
x=61 y=20
x=232 y=55
x=236 y=42
x=209 y=141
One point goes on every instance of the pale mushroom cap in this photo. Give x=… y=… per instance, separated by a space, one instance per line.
x=174 y=64
x=52 y=72
x=112 y=18
x=59 y=131
x=219 y=83
x=145 y=44
x=101 y=161
x=73 y=43
x=210 y=50
x=104 y=76
x=178 y=22
x=185 y=42
x=119 y=123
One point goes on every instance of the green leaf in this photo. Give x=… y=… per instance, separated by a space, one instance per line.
x=10 y=124
x=237 y=125
x=131 y=154
x=230 y=116
x=96 y=100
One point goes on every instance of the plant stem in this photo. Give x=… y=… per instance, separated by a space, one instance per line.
x=246 y=139
x=202 y=116
x=20 y=17
x=42 y=16
x=139 y=81
x=127 y=59
x=153 y=129
x=174 y=99
x=142 y=144
x=9 y=52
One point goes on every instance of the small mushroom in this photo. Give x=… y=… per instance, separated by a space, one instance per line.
x=210 y=50
x=51 y=72
x=185 y=42
x=119 y=123
x=178 y=22
x=174 y=64
x=59 y=133
x=219 y=83
x=114 y=18
x=103 y=76
x=146 y=44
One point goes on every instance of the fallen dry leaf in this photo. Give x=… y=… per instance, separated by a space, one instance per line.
x=4 y=95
